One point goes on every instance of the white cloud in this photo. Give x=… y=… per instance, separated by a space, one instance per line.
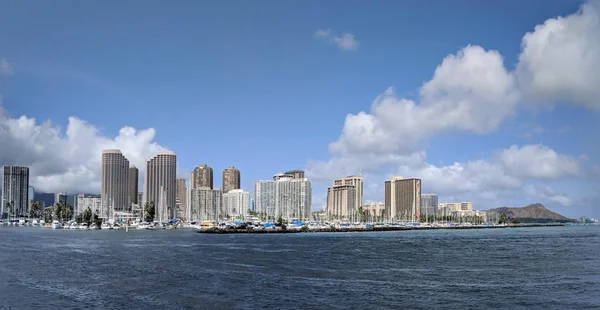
x=69 y=160
x=5 y=68
x=469 y=92
x=548 y=194
x=345 y=42
x=560 y=59
x=537 y=161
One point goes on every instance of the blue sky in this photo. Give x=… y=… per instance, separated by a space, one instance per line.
x=249 y=84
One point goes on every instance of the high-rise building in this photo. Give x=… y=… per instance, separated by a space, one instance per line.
x=403 y=199
x=15 y=191
x=206 y=204
x=160 y=184
x=133 y=185
x=284 y=197
x=264 y=198
x=85 y=201
x=140 y=198
x=202 y=176
x=115 y=187
x=182 y=207
x=31 y=194
x=231 y=179
x=295 y=174
x=236 y=203
x=344 y=197
x=429 y=204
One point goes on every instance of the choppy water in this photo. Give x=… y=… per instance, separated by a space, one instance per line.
x=544 y=268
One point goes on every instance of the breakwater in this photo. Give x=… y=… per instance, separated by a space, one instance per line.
x=363 y=229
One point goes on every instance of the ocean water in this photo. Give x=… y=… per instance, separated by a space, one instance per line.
x=533 y=268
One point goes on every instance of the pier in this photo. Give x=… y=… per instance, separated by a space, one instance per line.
x=364 y=229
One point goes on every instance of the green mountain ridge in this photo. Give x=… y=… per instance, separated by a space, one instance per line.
x=535 y=211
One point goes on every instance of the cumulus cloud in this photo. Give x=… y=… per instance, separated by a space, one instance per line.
x=5 y=68
x=469 y=92
x=560 y=59
x=68 y=160
x=537 y=161
x=548 y=194
x=345 y=41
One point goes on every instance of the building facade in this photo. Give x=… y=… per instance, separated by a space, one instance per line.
x=115 y=184
x=182 y=206
x=205 y=204
x=429 y=204
x=60 y=197
x=160 y=184
x=283 y=197
x=295 y=174
x=93 y=202
x=15 y=191
x=374 y=211
x=202 y=176
x=402 y=199
x=236 y=203
x=133 y=185
x=344 y=197
x=231 y=179
x=264 y=197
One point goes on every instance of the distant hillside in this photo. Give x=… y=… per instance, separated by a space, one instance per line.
x=534 y=212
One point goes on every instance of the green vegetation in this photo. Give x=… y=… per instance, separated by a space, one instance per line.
x=503 y=219
x=149 y=211
x=34 y=210
x=304 y=228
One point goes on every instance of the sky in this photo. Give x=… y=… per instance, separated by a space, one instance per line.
x=492 y=102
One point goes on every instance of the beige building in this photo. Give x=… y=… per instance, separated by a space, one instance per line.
x=374 y=211
x=115 y=184
x=295 y=174
x=236 y=203
x=344 y=197
x=181 y=199
x=133 y=185
x=206 y=204
x=284 y=197
x=231 y=179
x=160 y=184
x=402 y=199
x=202 y=176
x=456 y=206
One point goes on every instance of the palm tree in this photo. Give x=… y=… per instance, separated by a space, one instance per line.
x=9 y=208
x=34 y=211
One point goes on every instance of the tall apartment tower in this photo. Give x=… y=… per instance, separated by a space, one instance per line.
x=133 y=185
x=236 y=203
x=15 y=190
x=403 y=199
x=115 y=184
x=231 y=179
x=206 y=204
x=182 y=199
x=284 y=197
x=160 y=184
x=264 y=198
x=202 y=176
x=344 y=197
x=429 y=204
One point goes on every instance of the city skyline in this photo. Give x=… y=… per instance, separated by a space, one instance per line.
x=484 y=110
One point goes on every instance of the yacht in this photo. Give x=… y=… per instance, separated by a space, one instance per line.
x=56 y=225
x=73 y=226
x=106 y=226
x=83 y=226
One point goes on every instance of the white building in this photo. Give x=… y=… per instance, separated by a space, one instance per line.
x=15 y=190
x=93 y=202
x=286 y=197
x=205 y=204
x=236 y=203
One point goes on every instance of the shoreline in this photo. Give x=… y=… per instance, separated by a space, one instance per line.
x=361 y=229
